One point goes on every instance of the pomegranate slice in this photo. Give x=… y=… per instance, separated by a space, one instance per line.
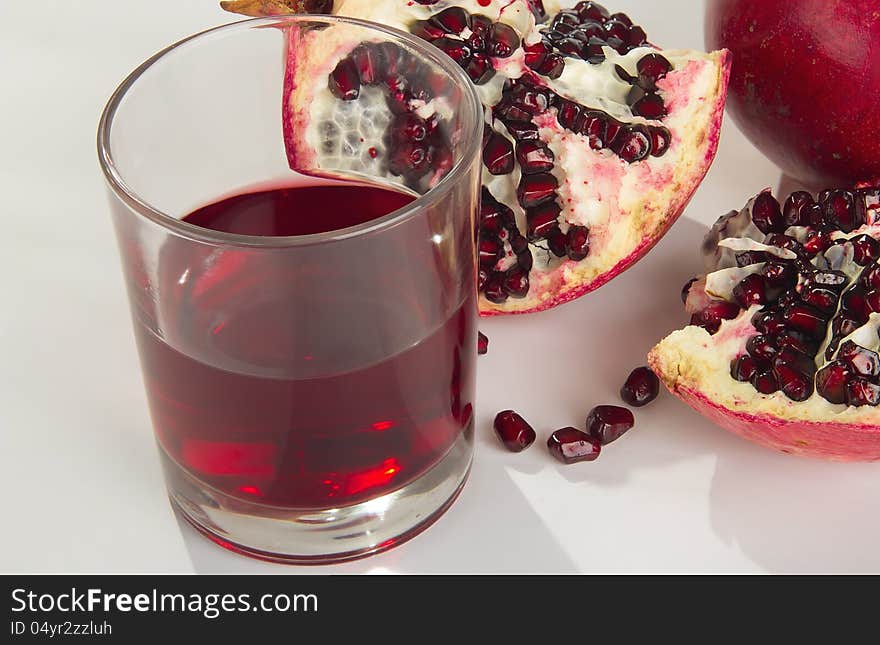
x=795 y=364
x=595 y=140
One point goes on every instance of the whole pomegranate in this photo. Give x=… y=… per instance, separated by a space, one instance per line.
x=804 y=83
x=594 y=140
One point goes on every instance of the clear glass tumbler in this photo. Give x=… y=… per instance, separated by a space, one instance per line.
x=312 y=396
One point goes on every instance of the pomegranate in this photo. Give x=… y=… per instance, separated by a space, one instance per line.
x=482 y=343
x=594 y=139
x=783 y=342
x=804 y=83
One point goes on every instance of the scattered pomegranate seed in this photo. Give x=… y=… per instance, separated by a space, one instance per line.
x=570 y=445
x=606 y=423
x=514 y=432
x=641 y=387
x=482 y=343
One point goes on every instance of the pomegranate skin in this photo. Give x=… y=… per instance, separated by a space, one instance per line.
x=805 y=82
x=830 y=441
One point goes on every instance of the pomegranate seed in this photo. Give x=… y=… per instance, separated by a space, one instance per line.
x=781 y=275
x=503 y=40
x=523 y=131
x=632 y=144
x=427 y=31
x=344 y=82
x=542 y=219
x=525 y=260
x=752 y=290
x=767 y=215
x=853 y=301
x=612 y=129
x=592 y=52
x=534 y=190
x=489 y=251
x=482 y=343
x=621 y=17
x=494 y=289
x=762 y=347
x=591 y=11
x=865 y=249
x=514 y=432
x=872 y=299
x=806 y=319
x=743 y=368
x=480 y=26
x=566 y=17
x=453 y=20
x=793 y=357
x=652 y=68
x=860 y=391
x=765 y=382
x=795 y=385
x=844 y=325
x=534 y=157
x=457 y=50
x=660 y=139
x=516 y=282
x=825 y=300
x=870 y=278
x=366 y=60
x=552 y=67
x=617 y=29
x=606 y=423
x=587 y=30
x=838 y=207
x=651 y=106
x=769 y=322
x=637 y=36
x=570 y=445
x=711 y=316
x=577 y=243
x=567 y=114
x=862 y=361
x=831 y=381
x=557 y=242
x=640 y=388
x=479 y=69
x=816 y=243
x=498 y=154
x=794 y=213
x=798 y=341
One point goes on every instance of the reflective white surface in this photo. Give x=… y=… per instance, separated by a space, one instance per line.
x=82 y=487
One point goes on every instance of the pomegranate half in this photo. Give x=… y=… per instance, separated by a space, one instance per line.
x=805 y=82
x=594 y=141
x=783 y=342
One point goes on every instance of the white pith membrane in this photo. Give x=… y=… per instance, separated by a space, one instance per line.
x=693 y=361
x=626 y=207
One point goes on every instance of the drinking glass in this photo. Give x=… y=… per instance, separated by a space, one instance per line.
x=312 y=396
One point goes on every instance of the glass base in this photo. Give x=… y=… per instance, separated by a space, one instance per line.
x=320 y=537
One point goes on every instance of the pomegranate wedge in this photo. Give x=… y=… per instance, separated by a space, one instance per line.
x=595 y=140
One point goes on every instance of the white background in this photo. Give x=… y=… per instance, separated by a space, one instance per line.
x=81 y=487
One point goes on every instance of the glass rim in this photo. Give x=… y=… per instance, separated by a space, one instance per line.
x=471 y=142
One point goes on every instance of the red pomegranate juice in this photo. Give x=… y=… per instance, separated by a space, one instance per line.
x=273 y=392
